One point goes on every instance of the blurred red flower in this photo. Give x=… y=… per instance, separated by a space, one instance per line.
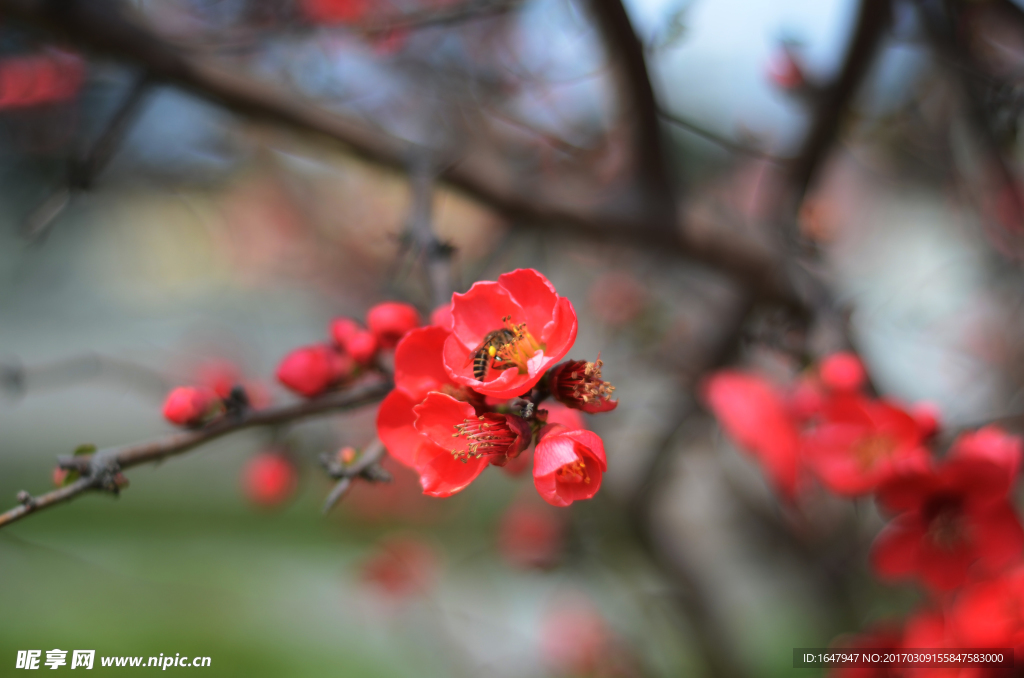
x=269 y=479
x=859 y=443
x=756 y=415
x=401 y=566
x=538 y=328
x=531 y=535
x=947 y=520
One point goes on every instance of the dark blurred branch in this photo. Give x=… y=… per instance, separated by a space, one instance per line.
x=84 y=170
x=943 y=24
x=652 y=167
x=99 y=26
x=439 y=16
x=691 y=596
x=872 y=21
x=100 y=468
x=436 y=255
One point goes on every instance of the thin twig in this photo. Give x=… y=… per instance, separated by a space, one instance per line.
x=371 y=456
x=97 y=467
x=726 y=143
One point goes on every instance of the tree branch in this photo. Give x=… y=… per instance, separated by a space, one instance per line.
x=98 y=468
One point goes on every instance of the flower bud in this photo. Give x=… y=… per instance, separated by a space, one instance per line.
x=311 y=370
x=190 y=406
x=269 y=479
x=842 y=372
x=362 y=346
x=391 y=320
x=343 y=329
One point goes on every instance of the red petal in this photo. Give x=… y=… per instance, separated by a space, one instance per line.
x=534 y=294
x=990 y=443
x=395 y=428
x=559 y=333
x=895 y=551
x=594 y=446
x=998 y=535
x=570 y=492
x=553 y=452
x=441 y=474
x=566 y=416
x=419 y=364
x=480 y=311
x=437 y=416
x=547 y=488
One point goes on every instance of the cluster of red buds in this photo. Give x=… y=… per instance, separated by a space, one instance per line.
x=952 y=526
x=313 y=370
x=468 y=389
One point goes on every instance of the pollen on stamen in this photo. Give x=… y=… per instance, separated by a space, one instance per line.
x=489 y=435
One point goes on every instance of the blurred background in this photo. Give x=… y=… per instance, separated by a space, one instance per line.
x=197 y=185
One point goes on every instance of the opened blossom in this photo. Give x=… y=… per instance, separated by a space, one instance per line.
x=947 y=521
x=859 y=443
x=756 y=415
x=578 y=384
x=419 y=371
x=568 y=465
x=507 y=334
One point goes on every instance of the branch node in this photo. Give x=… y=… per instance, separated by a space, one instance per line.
x=26 y=499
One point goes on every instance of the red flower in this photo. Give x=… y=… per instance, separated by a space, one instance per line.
x=506 y=334
x=442 y=316
x=860 y=443
x=464 y=443
x=391 y=321
x=991 y=613
x=990 y=443
x=949 y=519
x=531 y=535
x=567 y=465
x=756 y=416
x=418 y=372
x=578 y=384
x=191 y=406
x=842 y=372
x=269 y=479
x=402 y=566
x=311 y=370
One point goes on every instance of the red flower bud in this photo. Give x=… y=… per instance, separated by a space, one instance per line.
x=362 y=346
x=578 y=384
x=269 y=479
x=190 y=406
x=391 y=320
x=343 y=329
x=311 y=370
x=59 y=476
x=843 y=372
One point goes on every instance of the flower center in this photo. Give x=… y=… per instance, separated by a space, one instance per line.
x=576 y=472
x=581 y=381
x=945 y=523
x=489 y=435
x=518 y=349
x=870 y=450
